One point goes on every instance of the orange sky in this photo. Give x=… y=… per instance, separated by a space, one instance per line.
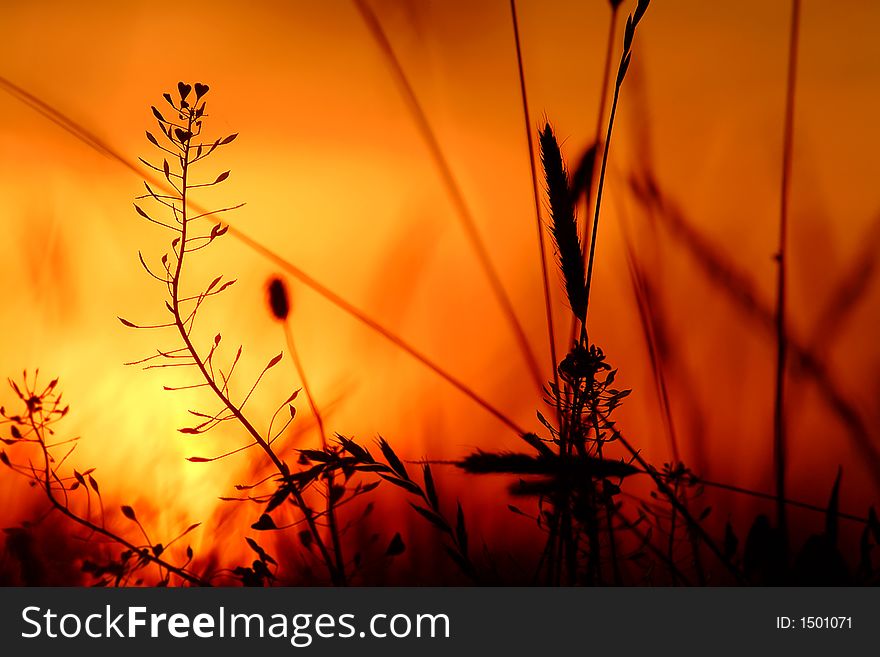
x=338 y=180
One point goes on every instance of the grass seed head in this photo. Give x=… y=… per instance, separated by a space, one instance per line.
x=279 y=300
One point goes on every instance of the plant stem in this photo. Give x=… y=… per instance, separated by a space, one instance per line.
x=209 y=379
x=664 y=488
x=599 y=190
x=612 y=544
x=645 y=540
x=542 y=252
x=98 y=529
x=609 y=507
x=330 y=477
x=670 y=548
x=600 y=115
x=779 y=437
x=649 y=322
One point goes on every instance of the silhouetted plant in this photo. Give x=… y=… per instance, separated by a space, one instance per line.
x=280 y=306
x=182 y=148
x=575 y=470
x=41 y=458
x=348 y=457
x=577 y=478
x=579 y=485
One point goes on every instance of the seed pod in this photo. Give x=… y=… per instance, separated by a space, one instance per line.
x=279 y=301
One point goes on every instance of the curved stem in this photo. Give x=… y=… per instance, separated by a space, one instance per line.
x=599 y=190
x=319 y=419
x=542 y=252
x=692 y=523
x=209 y=379
x=98 y=529
x=600 y=115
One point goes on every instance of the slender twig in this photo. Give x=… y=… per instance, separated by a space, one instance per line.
x=146 y=554
x=648 y=319
x=663 y=487
x=779 y=437
x=333 y=525
x=236 y=410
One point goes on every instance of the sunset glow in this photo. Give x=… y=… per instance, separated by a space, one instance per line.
x=347 y=203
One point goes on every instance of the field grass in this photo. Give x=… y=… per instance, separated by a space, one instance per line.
x=592 y=507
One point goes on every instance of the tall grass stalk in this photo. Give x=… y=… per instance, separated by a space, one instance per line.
x=650 y=322
x=600 y=121
x=632 y=22
x=536 y=195
x=741 y=289
x=279 y=302
x=582 y=507
x=779 y=436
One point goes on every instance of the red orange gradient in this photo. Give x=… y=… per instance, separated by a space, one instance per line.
x=338 y=180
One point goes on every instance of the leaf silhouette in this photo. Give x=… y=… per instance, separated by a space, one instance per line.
x=396 y=546
x=264 y=523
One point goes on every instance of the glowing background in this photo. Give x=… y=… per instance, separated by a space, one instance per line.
x=338 y=180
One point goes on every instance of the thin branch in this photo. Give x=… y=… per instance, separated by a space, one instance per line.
x=319 y=420
x=48 y=473
x=212 y=383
